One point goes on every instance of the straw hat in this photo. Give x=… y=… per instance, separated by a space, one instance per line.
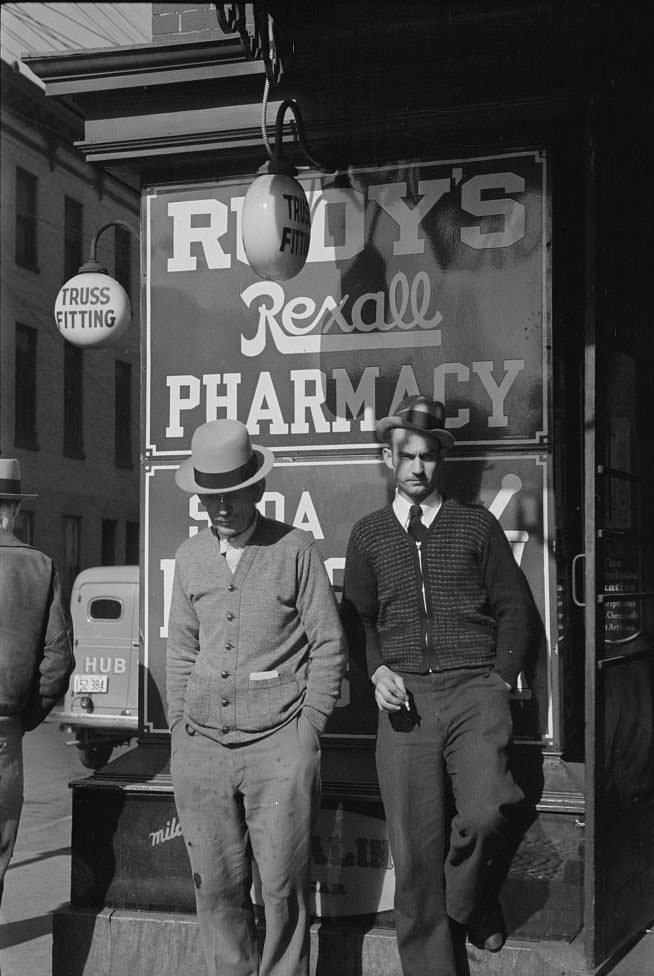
x=10 y=481
x=223 y=459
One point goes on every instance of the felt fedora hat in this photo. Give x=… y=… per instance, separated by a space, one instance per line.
x=10 y=480
x=223 y=459
x=419 y=413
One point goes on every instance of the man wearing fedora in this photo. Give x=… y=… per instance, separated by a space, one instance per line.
x=36 y=651
x=446 y=617
x=254 y=665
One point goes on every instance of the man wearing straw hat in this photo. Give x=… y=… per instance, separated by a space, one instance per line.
x=36 y=651
x=446 y=617
x=254 y=664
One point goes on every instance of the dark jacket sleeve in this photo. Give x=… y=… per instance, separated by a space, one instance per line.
x=57 y=661
x=511 y=603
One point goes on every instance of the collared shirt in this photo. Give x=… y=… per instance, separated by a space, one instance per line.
x=429 y=506
x=232 y=548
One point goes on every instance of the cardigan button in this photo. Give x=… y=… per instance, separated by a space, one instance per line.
x=228 y=646
x=225 y=729
x=225 y=702
x=231 y=587
x=224 y=674
x=230 y=616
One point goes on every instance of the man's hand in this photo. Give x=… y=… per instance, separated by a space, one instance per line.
x=390 y=693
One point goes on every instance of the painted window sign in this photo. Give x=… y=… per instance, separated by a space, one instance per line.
x=425 y=277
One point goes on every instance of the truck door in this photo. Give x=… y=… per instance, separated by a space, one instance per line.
x=104 y=650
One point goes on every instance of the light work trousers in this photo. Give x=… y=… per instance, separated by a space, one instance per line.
x=463 y=732
x=11 y=789
x=257 y=800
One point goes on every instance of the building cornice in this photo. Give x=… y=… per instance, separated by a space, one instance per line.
x=78 y=74
x=363 y=77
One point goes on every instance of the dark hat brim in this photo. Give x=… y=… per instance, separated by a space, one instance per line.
x=387 y=424
x=185 y=474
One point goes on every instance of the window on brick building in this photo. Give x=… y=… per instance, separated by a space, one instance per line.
x=123 y=454
x=26 y=219
x=73 y=401
x=108 y=542
x=132 y=543
x=25 y=434
x=73 y=236
x=123 y=259
x=72 y=527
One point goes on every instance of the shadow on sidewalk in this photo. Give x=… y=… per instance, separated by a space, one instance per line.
x=58 y=852
x=16 y=933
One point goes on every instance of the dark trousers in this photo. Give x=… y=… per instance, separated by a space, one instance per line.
x=235 y=803
x=462 y=732
x=11 y=789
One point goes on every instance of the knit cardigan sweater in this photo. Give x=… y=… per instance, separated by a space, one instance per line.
x=249 y=650
x=479 y=609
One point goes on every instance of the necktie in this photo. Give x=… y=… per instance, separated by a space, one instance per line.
x=416 y=527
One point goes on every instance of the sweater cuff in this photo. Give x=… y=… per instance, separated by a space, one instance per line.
x=508 y=673
x=317 y=719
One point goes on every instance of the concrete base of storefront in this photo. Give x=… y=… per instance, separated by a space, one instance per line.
x=114 y=942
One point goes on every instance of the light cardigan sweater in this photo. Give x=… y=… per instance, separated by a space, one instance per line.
x=479 y=610
x=247 y=651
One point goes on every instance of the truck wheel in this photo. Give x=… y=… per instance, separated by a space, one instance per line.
x=96 y=754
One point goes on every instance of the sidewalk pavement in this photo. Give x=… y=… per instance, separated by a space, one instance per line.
x=38 y=880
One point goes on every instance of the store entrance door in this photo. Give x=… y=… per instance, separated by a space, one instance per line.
x=619 y=578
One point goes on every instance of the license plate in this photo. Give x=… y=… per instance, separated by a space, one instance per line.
x=90 y=684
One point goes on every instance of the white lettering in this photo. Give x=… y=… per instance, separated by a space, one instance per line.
x=167 y=567
x=177 y=402
x=105 y=665
x=185 y=234
x=514 y=212
x=172 y=829
x=338 y=215
x=377 y=332
x=462 y=373
x=306 y=517
x=306 y=402
x=355 y=402
x=352 y=397
x=274 y=500
x=265 y=407
x=406 y=386
x=391 y=196
x=498 y=392
x=226 y=401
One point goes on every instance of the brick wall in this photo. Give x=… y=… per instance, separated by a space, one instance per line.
x=184 y=21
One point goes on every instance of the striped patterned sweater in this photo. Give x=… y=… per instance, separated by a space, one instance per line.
x=480 y=611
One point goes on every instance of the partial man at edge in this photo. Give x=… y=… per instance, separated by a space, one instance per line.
x=36 y=651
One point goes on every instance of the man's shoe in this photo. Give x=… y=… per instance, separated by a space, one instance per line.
x=487 y=930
